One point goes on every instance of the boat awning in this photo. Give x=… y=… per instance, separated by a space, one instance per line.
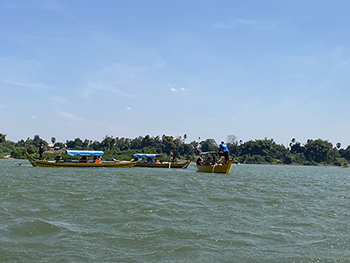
x=206 y=153
x=147 y=155
x=81 y=152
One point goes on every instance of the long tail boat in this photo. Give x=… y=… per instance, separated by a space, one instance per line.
x=216 y=168
x=148 y=160
x=60 y=163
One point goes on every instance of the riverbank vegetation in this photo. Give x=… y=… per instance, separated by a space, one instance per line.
x=260 y=151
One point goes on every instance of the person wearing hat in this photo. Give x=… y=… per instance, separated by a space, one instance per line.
x=223 y=151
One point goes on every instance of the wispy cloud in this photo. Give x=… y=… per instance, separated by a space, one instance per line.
x=115 y=78
x=225 y=25
x=58 y=99
x=69 y=116
x=34 y=117
x=248 y=22
x=242 y=22
x=29 y=85
x=95 y=88
x=128 y=108
x=173 y=88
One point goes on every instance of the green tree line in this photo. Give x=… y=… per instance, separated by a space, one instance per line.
x=260 y=151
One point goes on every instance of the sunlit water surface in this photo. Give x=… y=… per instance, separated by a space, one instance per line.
x=257 y=213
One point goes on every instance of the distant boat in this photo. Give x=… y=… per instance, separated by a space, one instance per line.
x=217 y=168
x=62 y=163
x=148 y=160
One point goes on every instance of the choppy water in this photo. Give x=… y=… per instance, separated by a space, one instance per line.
x=257 y=213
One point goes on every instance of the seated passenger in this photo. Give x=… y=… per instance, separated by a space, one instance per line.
x=83 y=160
x=97 y=159
x=199 y=161
x=208 y=161
x=58 y=158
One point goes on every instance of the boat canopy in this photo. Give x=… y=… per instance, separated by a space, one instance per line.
x=147 y=155
x=81 y=152
x=207 y=153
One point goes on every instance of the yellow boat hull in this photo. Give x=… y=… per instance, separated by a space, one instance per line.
x=182 y=165
x=44 y=163
x=224 y=168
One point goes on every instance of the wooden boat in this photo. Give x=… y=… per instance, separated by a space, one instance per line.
x=147 y=160
x=218 y=168
x=48 y=163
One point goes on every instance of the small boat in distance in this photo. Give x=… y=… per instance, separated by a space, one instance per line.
x=217 y=167
x=82 y=163
x=148 y=160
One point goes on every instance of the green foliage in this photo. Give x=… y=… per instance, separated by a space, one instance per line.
x=314 y=152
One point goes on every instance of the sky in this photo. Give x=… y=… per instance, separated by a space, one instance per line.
x=208 y=69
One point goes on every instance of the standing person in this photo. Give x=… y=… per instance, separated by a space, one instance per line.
x=174 y=151
x=225 y=152
x=41 y=150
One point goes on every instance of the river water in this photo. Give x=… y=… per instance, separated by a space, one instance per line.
x=257 y=213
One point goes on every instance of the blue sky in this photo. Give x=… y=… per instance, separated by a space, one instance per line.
x=208 y=69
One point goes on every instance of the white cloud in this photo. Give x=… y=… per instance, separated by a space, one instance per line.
x=224 y=25
x=95 y=87
x=68 y=116
x=29 y=85
x=34 y=117
x=173 y=88
x=58 y=99
x=242 y=22
x=248 y=22
x=128 y=108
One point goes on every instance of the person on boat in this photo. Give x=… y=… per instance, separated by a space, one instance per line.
x=58 y=159
x=41 y=150
x=150 y=160
x=142 y=160
x=223 y=151
x=83 y=159
x=174 y=153
x=97 y=159
x=214 y=160
x=208 y=161
x=199 y=160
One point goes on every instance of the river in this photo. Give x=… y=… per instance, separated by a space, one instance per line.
x=257 y=213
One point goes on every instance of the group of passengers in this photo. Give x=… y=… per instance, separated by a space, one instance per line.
x=209 y=161
x=83 y=159
x=223 y=151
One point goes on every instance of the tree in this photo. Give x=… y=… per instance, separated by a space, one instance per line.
x=231 y=139
x=53 y=140
x=319 y=151
x=209 y=145
x=338 y=145
x=2 y=137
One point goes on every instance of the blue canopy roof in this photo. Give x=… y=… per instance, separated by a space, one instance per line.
x=147 y=155
x=89 y=153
